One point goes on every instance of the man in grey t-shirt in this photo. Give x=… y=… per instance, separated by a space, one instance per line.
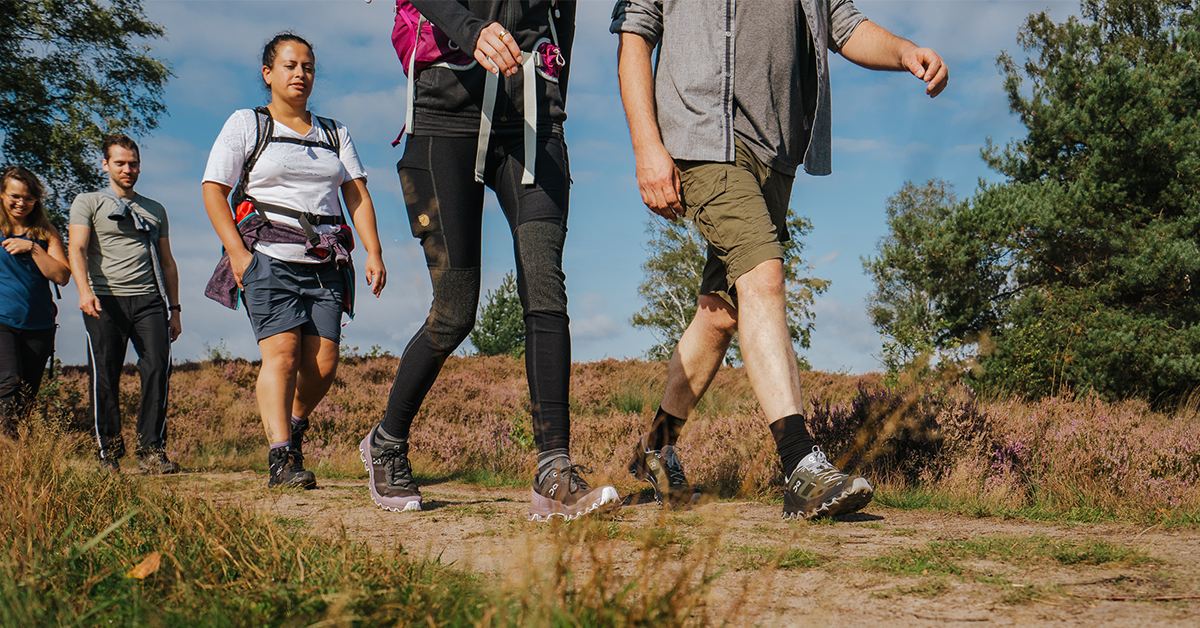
x=738 y=100
x=128 y=285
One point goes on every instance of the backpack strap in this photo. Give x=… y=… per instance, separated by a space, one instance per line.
x=264 y=128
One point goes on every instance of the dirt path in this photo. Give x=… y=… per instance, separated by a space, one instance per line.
x=881 y=567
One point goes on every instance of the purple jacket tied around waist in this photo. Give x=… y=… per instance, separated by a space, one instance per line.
x=336 y=247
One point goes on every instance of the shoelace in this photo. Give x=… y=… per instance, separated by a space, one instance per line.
x=821 y=468
x=399 y=470
x=577 y=482
x=675 y=475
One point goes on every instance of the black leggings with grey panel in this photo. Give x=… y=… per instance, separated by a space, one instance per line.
x=445 y=210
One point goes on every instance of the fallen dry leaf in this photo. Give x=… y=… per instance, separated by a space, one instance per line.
x=148 y=566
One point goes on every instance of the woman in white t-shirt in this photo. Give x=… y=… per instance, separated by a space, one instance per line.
x=294 y=297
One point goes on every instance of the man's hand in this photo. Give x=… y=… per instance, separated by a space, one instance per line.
x=376 y=274
x=496 y=51
x=928 y=66
x=659 y=182
x=90 y=304
x=175 y=325
x=239 y=261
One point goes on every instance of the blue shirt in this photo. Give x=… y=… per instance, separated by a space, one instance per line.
x=25 y=299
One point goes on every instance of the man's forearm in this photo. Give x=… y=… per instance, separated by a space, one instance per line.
x=636 y=76
x=77 y=258
x=872 y=46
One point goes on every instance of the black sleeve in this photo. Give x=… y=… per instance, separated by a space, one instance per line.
x=455 y=20
x=566 y=41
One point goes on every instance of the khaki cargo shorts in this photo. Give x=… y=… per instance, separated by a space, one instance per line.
x=741 y=210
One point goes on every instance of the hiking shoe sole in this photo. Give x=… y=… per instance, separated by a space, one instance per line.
x=852 y=499
x=600 y=501
x=394 y=504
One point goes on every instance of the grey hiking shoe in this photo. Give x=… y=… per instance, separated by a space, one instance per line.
x=664 y=471
x=155 y=462
x=558 y=491
x=287 y=469
x=390 y=474
x=109 y=465
x=818 y=489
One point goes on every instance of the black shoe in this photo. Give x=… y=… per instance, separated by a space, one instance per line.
x=664 y=471
x=287 y=469
x=389 y=473
x=109 y=465
x=298 y=430
x=155 y=462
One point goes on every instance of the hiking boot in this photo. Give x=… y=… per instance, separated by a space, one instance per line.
x=287 y=469
x=817 y=489
x=664 y=471
x=390 y=474
x=109 y=465
x=298 y=430
x=155 y=462
x=558 y=491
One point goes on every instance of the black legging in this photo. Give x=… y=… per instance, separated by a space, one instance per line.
x=23 y=355
x=445 y=210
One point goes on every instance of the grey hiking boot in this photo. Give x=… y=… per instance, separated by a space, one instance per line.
x=287 y=469
x=558 y=491
x=818 y=489
x=664 y=471
x=390 y=474
x=154 y=462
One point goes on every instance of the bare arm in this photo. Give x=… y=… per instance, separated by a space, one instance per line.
x=873 y=47
x=77 y=249
x=50 y=261
x=657 y=177
x=362 y=214
x=216 y=203
x=170 y=273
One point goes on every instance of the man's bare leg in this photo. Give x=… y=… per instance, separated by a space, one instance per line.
x=699 y=354
x=766 y=346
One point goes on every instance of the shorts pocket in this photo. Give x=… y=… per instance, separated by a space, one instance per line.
x=249 y=274
x=699 y=185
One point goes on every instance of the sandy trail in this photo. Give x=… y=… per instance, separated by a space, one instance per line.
x=826 y=575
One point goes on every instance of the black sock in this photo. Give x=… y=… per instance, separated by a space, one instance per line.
x=664 y=430
x=384 y=439
x=792 y=441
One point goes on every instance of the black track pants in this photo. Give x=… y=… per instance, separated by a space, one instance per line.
x=23 y=355
x=142 y=319
x=445 y=210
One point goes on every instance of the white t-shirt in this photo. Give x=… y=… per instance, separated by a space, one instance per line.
x=298 y=177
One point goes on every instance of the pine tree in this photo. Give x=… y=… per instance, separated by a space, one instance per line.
x=500 y=328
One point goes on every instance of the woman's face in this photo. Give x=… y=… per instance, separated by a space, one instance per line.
x=291 y=78
x=17 y=200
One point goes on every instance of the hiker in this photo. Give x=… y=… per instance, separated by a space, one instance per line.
x=488 y=113
x=738 y=100
x=120 y=253
x=32 y=257
x=287 y=255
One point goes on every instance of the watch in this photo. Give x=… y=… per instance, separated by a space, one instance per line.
x=175 y=308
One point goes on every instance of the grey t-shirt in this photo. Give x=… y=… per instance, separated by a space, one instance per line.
x=774 y=59
x=119 y=262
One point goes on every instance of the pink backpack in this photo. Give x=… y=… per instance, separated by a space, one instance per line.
x=420 y=44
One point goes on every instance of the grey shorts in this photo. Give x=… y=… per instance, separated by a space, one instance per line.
x=280 y=296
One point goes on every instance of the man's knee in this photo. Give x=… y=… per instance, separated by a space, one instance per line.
x=716 y=314
x=764 y=280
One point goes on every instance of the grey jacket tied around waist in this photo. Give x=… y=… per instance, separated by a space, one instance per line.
x=693 y=79
x=146 y=228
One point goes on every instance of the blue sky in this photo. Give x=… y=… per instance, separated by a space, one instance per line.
x=885 y=132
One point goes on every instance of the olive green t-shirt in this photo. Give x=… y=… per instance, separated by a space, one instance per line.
x=119 y=262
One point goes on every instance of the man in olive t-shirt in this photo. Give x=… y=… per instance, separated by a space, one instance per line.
x=128 y=290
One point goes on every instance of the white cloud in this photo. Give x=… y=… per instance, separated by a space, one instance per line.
x=598 y=327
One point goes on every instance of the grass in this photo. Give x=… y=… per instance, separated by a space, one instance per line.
x=953 y=557
x=748 y=558
x=75 y=535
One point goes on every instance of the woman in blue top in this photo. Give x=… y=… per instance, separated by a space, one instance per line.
x=32 y=257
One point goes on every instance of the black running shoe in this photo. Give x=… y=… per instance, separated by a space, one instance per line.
x=664 y=471
x=287 y=469
x=818 y=489
x=558 y=491
x=389 y=473
x=155 y=462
